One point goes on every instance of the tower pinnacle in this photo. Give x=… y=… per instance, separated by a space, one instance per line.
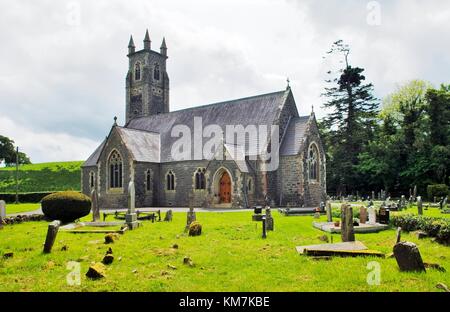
x=131 y=46
x=147 y=41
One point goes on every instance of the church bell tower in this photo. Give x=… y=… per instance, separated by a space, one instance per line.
x=147 y=81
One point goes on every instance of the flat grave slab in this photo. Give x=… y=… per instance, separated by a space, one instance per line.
x=361 y=228
x=347 y=249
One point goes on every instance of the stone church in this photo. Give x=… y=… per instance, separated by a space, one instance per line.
x=143 y=149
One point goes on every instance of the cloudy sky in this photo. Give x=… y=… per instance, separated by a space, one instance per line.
x=63 y=63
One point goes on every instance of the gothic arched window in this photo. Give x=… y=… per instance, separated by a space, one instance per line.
x=148 y=180
x=115 y=170
x=200 y=180
x=156 y=72
x=313 y=163
x=137 y=71
x=170 y=181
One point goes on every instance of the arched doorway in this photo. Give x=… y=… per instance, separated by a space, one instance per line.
x=225 y=188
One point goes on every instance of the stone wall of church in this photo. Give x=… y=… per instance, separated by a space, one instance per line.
x=185 y=184
x=315 y=192
x=146 y=196
x=290 y=181
x=116 y=198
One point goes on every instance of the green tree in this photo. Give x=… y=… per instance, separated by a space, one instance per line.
x=350 y=122
x=8 y=152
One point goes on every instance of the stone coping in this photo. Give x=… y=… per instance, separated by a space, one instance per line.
x=362 y=228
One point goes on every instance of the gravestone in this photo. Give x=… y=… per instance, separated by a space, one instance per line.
x=2 y=209
x=329 y=212
x=131 y=216
x=269 y=219
x=419 y=205
x=398 y=235
x=372 y=215
x=169 y=215
x=347 y=231
x=363 y=215
x=264 y=229
x=444 y=203
x=403 y=202
x=415 y=192
x=51 y=235
x=191 y=217
x=373 y=195
x=94 y=206
x=384 y=216
x=408 y=257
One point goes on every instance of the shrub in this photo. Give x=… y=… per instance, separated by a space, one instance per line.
x=434 y=227
x=66 y=206
x=438 y=190
x=195 y=229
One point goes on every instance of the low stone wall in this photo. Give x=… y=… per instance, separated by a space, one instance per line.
x=23 y=218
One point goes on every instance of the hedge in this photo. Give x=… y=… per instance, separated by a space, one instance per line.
x=434 y=227
x=35 y=197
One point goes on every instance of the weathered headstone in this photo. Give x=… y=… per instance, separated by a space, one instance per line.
x=372 y=215
x=329 y=212
x=94 y=206
x=373 y=195
x=415 y=192
x=191 y=217
x=384 y=216
x=408 y=257
x=419 y=205
x=131 y=216
x=347 y=231
x=363 y=215
x=2 y=209
x=269 y=219
x=403 y=202
x=444 y=202
x=51 y=235
x=168 y=216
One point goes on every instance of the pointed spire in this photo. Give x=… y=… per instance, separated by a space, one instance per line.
x=288 y=83
x=131 y=46
x=147 y=41
x=163 y=47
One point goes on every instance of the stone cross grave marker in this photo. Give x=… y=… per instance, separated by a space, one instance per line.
x=51 y=235
x=372 y=215
x=419 y=205
x=94 y=206
x=2 y=209
x=363 y=215
x=329 y=212
x=191 y=217
x=347 y=231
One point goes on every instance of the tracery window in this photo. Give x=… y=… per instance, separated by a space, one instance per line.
x=115 y=170
x=200 y=180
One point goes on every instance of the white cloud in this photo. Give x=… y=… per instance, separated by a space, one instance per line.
x=47 y=146
x=58 y=75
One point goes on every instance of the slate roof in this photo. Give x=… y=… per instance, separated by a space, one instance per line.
x=294 y=136
x=149 y=138
x=144 y=146
x=92 y=160
x=256 y=110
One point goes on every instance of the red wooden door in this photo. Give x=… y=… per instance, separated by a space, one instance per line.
x=225 y=188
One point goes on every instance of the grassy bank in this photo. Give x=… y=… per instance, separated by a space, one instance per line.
x=44 y=177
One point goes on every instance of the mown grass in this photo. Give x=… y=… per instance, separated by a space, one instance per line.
x=20 y=208
x=56 y=176
x=229 y=256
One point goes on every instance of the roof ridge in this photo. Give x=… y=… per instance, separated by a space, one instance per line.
x=218 y=103
x=140 y=130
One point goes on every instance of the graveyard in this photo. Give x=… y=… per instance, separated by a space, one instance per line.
x=229 y=255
